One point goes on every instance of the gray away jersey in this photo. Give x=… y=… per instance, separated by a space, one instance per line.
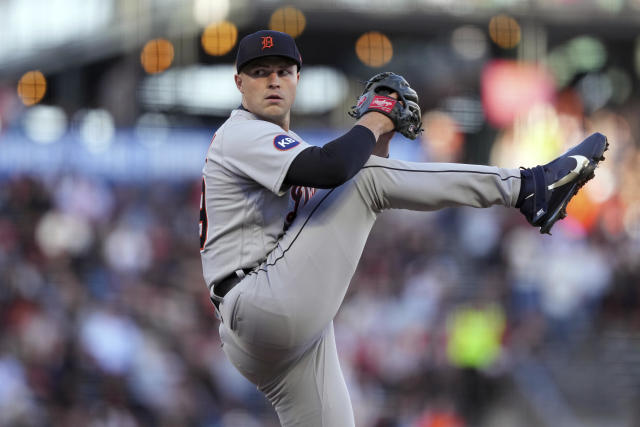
x=243 y=209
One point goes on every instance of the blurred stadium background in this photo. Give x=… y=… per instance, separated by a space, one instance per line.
x=456 y=318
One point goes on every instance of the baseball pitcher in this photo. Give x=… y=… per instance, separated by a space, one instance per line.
x=283 y=223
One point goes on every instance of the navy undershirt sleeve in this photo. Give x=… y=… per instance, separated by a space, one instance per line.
x=333 y=164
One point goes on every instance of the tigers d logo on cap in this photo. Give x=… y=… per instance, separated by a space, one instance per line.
x=267 y=43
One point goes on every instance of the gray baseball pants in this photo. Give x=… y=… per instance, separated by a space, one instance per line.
x=277 y=327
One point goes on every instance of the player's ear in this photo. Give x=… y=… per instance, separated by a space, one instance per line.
x=238 y=80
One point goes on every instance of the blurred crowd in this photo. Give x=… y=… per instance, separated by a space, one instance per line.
x=105 y=319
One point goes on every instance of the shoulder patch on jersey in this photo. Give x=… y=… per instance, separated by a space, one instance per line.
x=284 y=142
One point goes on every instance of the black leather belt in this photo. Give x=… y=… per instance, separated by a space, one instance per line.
x=223 y=287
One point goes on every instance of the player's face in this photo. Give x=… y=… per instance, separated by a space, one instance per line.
x=268 y=86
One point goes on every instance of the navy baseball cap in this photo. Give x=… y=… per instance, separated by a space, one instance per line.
x=267 y=43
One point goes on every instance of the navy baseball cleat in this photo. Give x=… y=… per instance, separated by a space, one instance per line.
x=546 y=190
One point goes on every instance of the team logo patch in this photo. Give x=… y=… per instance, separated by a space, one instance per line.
x=383 y=103
x=284 y=142
x=267 y=42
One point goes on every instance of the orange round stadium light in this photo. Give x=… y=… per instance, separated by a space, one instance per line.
x=157 y=56
x=31 y=87
x=288 y=20
x=504 y=31
x=219 y=38
x=374 y=49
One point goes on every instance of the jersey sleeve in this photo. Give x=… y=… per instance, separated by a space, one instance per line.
x=261 y=150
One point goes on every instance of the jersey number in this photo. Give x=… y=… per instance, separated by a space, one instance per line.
x=203 y=218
